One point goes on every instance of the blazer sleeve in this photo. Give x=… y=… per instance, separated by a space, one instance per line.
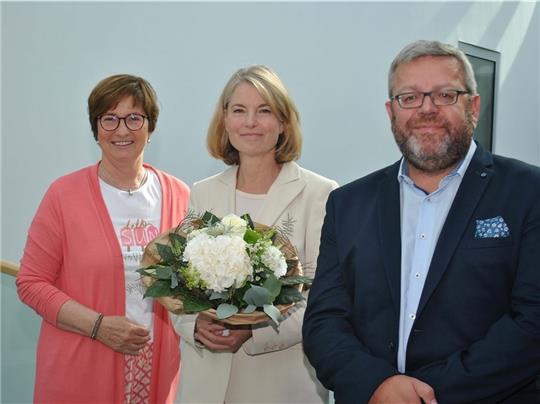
x=268 y=338
x=42 y=260
x=342 y=362
x=508 y=356
x=184 y=324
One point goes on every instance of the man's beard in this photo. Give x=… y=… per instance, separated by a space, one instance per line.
x=452 y=145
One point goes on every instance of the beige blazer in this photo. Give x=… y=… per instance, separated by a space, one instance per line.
x=271 y=366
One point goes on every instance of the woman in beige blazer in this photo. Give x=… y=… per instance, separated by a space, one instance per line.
x=255 y=129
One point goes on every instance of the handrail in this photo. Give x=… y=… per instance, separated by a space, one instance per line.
x=9 y=268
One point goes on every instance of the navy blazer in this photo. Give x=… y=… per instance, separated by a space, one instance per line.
x=476 y=337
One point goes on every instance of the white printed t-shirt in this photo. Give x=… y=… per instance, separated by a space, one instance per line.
x=136 y=219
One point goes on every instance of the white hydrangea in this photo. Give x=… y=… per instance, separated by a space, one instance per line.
x=235 y=224
x=273 y=258
x=195 y=233
x=222 y=261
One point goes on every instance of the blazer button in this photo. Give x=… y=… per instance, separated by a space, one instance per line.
x=391 y=345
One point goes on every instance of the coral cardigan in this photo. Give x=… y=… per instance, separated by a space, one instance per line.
x=72 y=252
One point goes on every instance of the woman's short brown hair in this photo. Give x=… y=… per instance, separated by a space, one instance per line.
x=272 y=90
x=111 y=90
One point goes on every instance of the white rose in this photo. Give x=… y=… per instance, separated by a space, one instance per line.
x=235 y=224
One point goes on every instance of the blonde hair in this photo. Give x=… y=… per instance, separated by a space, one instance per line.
x=274 y=93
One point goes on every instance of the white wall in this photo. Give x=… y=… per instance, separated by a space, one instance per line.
x=333 y=57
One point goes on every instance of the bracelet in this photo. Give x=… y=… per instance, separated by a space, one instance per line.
x=95 y=330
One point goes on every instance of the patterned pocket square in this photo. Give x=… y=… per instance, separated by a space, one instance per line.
x=494 y=227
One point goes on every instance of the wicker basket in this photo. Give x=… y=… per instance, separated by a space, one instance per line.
x=174 y=305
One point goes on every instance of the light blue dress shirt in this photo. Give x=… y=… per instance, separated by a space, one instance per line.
x=422 y=218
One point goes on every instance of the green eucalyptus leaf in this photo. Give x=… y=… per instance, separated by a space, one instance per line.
x=296 y=280
x=209 y=218
x=273 y=313
x=219 y=295
x=258 y=296
x=273 y=285
x=164 y=272
x=193 y=304
x=174 y=280
x=148 y=271
x=158 y=289
x=178 y=243
x=225 y=310
x=289 y=295
x=165 y=252
x=250 y=308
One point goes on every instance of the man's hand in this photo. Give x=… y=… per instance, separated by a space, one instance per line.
x=218 y=337
x=403 y=390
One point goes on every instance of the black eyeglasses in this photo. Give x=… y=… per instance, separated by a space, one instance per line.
x=110 y=122
x=415 y=99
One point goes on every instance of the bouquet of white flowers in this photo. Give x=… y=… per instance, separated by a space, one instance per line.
x=232 y=269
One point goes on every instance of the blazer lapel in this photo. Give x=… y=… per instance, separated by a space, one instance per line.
x=225 y=202
x=389 y=219
x=285 y=188
x=472 y=187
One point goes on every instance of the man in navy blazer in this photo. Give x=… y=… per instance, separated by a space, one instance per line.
x=428 y=277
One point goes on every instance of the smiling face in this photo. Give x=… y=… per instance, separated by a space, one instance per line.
x=122 y=145
x=433 y=138
x=250 y=123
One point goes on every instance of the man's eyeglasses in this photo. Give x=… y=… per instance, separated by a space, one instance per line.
x=415 y=99
x=110 y=122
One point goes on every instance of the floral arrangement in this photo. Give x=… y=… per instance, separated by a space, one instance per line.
x=239 y=271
